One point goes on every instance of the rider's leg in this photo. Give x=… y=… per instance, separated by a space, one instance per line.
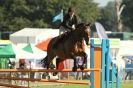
x=59 y=38
x=56 y=42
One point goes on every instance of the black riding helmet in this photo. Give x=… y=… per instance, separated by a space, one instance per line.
x=71 y=9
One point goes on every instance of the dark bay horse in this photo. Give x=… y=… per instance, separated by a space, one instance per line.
x=70 y=45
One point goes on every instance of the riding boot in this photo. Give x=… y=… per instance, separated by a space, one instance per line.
x=60 y=39
x=56 y=42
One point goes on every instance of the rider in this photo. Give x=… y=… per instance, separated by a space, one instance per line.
x=69 y=23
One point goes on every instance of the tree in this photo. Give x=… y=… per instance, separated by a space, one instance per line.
x=108 y=17
x=18 y=14
x=86 y=10
x=127 y=15
x=119 y=8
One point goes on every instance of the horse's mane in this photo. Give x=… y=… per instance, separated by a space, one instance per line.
x=80 y=25
x=68 y=34
x=77 y=28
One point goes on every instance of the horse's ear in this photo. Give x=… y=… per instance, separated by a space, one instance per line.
x=89 y=24
x=79 y=26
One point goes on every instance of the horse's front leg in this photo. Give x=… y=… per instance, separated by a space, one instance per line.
x=58 y=60
x=84 y=61
x=48 y=66
x=75 y=65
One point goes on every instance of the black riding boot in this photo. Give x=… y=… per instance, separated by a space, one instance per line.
x=56 y=42
x=60 y=39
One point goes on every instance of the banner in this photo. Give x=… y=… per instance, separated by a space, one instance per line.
x=101 y=31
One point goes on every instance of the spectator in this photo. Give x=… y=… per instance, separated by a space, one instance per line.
x=79 y=64
x=32 y=65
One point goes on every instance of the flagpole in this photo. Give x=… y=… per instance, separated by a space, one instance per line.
x=62 y=14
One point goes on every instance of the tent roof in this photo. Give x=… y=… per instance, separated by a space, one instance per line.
x=32 y=31
x=6 y=51
x=126 y=48
x=43 y=45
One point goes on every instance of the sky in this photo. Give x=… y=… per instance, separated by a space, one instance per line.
x=102 y=2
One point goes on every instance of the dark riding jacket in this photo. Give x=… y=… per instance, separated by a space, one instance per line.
x=68 y=22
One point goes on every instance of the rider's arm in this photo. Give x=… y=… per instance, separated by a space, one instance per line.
x=75 y=21
x=66 y=22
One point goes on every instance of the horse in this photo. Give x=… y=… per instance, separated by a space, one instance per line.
x=71 y=44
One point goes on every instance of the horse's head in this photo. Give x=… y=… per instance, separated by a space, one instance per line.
x=85 y=31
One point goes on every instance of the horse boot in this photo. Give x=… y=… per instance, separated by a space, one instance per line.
x=74 y=69
x=82 y=67
x=84 y=61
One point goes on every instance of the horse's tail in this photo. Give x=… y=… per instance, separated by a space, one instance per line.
x=44 y=61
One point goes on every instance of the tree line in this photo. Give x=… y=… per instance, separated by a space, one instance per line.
x=18 y=14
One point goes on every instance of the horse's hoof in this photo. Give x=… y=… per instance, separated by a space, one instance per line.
x=48 y=77
x=81 y=68
x=55 y=73
x=74 y=69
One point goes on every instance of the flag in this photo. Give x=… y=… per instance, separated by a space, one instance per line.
x=101 y=31
x=58 y=17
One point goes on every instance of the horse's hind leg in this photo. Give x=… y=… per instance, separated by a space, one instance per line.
x=49 y=63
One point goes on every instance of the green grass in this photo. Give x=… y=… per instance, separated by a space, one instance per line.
x=43 y=85
x=62 y=86
x=127 y=85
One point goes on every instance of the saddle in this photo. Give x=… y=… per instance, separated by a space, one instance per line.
x=61 y=38
x=64 y=36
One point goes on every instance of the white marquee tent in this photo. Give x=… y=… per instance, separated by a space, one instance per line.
x=33 y=35
x=126 y=48
x=35 y=57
